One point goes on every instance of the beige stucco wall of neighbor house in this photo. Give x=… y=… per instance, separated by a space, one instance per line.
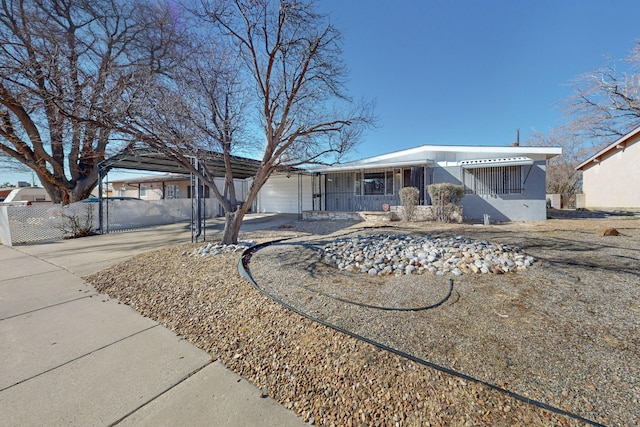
x=150 y=190
x=614 y=182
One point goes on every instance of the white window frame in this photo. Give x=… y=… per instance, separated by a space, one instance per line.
x=173 y=191
x=387 y=182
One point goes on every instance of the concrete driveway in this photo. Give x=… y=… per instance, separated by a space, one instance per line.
x=72 y=356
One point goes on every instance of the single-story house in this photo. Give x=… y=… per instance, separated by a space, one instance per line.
x=506 y=183
x=24 y=194
x=611 y=177
x=152 y=187
x=167 y=186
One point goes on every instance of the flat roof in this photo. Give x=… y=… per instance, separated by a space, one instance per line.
x=146 y=159
x=428 y=154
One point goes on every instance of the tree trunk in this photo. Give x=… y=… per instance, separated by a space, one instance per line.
x=55 y=192
x=232 y=223
x=59 y=194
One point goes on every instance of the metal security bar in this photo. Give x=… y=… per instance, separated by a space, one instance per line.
x=493 y=180
x=347 y=201
x=368 y=190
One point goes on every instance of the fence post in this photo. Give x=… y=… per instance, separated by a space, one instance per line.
x=5 y=230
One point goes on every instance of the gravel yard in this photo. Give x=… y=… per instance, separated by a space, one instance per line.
x=564 y=331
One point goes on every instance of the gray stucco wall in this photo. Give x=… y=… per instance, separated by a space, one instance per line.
x=530 y=205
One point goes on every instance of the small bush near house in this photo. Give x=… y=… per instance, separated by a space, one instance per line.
x=444 y=199
x=410 y=198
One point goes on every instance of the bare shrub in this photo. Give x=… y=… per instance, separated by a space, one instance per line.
x=78 y=222
x=445 y=198
x=410 y=198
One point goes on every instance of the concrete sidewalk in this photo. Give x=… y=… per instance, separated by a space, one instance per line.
x=72 y=356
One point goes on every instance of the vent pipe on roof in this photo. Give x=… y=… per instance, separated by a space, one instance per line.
x=517 y=143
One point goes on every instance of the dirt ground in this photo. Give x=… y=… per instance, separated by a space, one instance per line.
x=564 y=333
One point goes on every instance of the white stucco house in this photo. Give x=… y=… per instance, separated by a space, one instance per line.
x=504 y=182
x=611 y=177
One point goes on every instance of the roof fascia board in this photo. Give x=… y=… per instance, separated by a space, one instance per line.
x=385 y=165
x=621 y=142
x=424 y=149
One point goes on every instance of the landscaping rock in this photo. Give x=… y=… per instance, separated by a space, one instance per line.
x=403 y=254
x=607 y=232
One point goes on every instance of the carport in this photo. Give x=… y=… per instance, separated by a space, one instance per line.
x=150 y=160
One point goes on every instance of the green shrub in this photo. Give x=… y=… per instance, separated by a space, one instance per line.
x=410 y=198
x=444 y=199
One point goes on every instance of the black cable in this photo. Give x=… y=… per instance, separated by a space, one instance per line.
x=243 y=270
x=377 y=307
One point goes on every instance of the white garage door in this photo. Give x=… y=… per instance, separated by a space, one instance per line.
x=280 y=194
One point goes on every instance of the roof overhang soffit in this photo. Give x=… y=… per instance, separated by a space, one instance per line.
x=381 y=165
x=503 y=161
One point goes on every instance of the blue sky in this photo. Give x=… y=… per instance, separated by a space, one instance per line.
x=470 y=72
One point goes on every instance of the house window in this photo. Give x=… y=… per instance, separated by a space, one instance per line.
x=143 y=191
x=374 y=183
x=205 y=194
x=493 y=180
x=173 y=192
x=389 y=183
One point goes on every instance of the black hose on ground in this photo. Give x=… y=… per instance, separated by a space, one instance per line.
x=243 y=270
x=378 y=307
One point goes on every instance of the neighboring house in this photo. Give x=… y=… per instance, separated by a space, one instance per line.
x=172 y=186
x=611 y=177
x=507 y=183
x=4 y=192
x=167 y=186
x=25 y=194
x=152 y=187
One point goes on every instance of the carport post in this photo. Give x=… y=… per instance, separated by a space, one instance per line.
x=100 y=170
x=299 y=196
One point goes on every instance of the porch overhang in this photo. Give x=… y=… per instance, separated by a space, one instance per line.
x=497 y=162
x=381 y=165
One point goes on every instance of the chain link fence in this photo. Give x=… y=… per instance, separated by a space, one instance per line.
x=41 y=222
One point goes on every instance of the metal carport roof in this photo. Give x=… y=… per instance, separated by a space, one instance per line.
x=147 y=159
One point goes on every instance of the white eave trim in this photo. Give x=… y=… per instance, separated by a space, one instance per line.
x=502 y=161
x=619 y=144
x=381 y=165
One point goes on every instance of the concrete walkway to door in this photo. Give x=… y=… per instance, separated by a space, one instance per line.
x=75 y=357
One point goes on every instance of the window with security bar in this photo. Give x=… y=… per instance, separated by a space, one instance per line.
x=493 y=180
x=374 y=183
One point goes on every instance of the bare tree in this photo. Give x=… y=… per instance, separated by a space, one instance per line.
x=562 y=178
x=199 y=112
x=293 y=54
x=279 y=59
x=606 y=101
x=68 y=68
